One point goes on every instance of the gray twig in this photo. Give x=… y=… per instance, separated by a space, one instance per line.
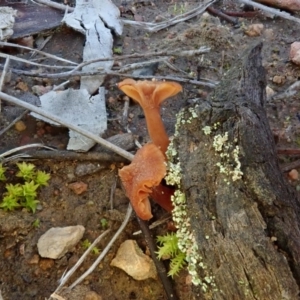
x=2 y=79
x=67 y=276
x=54 y=118
x=106 y=249
x=56 y=5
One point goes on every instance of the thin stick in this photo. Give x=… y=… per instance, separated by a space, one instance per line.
x=112 y=194
x=271 y=10
x=26 y=61
x=64 y=155
x=215 y=12
x=158 y=263
x=13 y=122
x=54 y=118
x=208 y=83
x=155 y=224
x=14 y=150
x=6 y=44
x=153 y=27
x=124 y=120
x=2 y=79
x=290 y=166
x=44 y=43
x=67 y=276
x=106 y=249
x=55 y=5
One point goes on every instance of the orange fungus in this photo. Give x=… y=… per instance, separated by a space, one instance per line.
x=150 y=94
x=145 y=172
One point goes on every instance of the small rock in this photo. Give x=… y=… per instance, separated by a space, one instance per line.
x=20 y=126
x=293 y=174
x=91 y=295
x=269 y=34
x=57 y=241
x=86 y=168
x=46 y=264
x=78 y=187
x=22 y=86
x=269 y=92
x=34 y=260
x=26 y=41
x=41 y=90
x=278 y=79
x=254 y=30
x=295 y=53
x=131 y=259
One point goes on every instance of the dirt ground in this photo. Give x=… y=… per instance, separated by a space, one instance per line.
x=24 y=275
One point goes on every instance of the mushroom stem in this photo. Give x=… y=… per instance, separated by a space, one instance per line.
x=156 y=129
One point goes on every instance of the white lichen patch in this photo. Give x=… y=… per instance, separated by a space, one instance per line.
x=207 y=130
x=186 y=238
x=229 y=163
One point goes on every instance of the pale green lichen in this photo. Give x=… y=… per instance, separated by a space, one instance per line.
x=207 y=130
x=186 y=238
x=229 y=163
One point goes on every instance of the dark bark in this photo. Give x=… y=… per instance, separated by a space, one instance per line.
x=247 y=230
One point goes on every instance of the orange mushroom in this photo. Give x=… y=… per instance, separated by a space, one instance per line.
x=162 y=194
x=150 y=94
x=146 y=171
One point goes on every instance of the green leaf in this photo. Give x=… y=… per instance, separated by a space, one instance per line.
x=30 y=203
x=9 y=203
x=95 y=250
x=169 y=246
x=26 y=171
x=177 y=263
x=104 y=223
x=29 y=189
x=14 y=190
x=2 y=171
x=36 y=223
x=86 y=243
x=42 y=178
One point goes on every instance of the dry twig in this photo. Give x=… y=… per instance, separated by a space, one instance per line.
x=67 y=276
x=271 y=10
x=153 y=27
x=171 y=295
x=106 y=249
x=6 y=44
x=2 y=79
x=50 y=116
x=55 y=5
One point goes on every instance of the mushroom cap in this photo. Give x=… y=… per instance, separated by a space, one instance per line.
x=146 y=171
x=149 y=94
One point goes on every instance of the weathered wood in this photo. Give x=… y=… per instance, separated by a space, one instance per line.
x=247 y=230
x=33 y=18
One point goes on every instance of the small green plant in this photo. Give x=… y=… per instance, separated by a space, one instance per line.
x=117 y=50
x=104 y=223
x=2 y=171
x=178 y=9
x=86 y=244
x=36 y=223
x=23 y=195
x=169 y=249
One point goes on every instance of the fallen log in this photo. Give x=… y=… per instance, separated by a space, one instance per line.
x=243 y=215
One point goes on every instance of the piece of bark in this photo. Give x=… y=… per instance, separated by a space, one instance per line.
x=32 y=18
x=247 y=230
